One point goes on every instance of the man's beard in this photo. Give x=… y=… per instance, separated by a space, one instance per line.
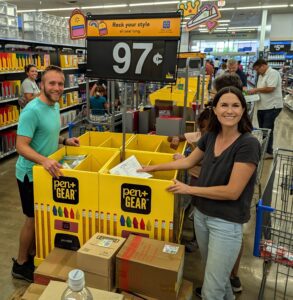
x=49 y=97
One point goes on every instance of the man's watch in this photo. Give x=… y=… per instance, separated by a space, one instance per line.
x=64 y=141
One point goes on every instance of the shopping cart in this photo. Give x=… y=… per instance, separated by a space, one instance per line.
x=263 y=135
x=274 y=227
x=87 y=121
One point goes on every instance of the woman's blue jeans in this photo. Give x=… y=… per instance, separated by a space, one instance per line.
x=219 y=243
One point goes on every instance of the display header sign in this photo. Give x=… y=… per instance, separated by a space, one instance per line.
x=133 y=47
x=148 y=27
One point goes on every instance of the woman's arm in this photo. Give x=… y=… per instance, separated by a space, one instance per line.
x=241 y=174
x=93 y=90
x=184 y=163
x=30 y=96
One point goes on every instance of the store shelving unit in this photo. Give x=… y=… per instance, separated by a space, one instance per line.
x=287 y=86
x=251 y=75
x=54 y=50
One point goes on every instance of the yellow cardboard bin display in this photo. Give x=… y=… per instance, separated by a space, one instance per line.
x=153 y=143
x=65 y=208
x=103 y=139
x=138 y=205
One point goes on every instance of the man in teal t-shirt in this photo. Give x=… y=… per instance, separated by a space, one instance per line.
x=37 y=137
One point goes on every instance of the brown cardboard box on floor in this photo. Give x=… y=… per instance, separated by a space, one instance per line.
x=150 y=267
x=55 y=290
x=185 y=293
x=59 y=263
x=98 y=256
x=33 y=292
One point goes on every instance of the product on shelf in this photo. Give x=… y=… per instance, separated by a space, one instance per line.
x=8 y=115
x=7 y=141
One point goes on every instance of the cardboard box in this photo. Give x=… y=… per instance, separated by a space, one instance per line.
x=150 y=267
x=59 y=263
x=185 y=293
x=98 y=254
x=55 y=289
x=33 y=292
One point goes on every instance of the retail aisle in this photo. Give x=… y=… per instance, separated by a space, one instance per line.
x=250 y=269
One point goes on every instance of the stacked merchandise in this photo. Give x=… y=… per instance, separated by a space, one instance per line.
x=9 y=89
x=8 y=20
x=8 y=115
x=11 y=62
x=138 y=268
x=69 y=99
x=7 y=141
x=68 y=61
x=288 y=87
x=42 y=27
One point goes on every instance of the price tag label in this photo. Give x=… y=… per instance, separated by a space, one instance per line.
x=132 y=48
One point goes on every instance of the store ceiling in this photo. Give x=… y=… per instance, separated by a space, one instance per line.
x=247 y=17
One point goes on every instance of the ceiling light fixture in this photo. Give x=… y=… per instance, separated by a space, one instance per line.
x=262 y=6
x=104 y=6
x=58 y=9
x=244 y=27
x=226 y=8
x=25 y=10
x=153 y=3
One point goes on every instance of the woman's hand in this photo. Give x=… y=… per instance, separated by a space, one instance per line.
x=178 y=156
x=178 y=187
x=146 y=169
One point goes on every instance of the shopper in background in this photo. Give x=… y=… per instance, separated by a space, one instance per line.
x=240 y=66
x=232 y=67
x=216 y=66
x=29 y=88
x=229 y=156
x=98 y=102
x=37 y=138
x=269 y=88
x=222 y=69
x=210 y=72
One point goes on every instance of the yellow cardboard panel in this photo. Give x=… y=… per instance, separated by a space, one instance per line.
x=135 y=205
x=65 y=208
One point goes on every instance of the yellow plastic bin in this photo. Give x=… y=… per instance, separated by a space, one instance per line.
x=66 y=208
x=138 y=205
x=153 y=143
x=103 y=139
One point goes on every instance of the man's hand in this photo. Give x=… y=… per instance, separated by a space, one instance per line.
x=252 y=91
x=53 y=167
x=72 y=141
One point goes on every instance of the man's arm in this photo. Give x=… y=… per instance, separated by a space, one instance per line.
x=68 y=141
x=23 y=148
x=264 y=90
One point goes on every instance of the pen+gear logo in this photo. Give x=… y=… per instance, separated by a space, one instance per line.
x=136 y=198
x=65 y=190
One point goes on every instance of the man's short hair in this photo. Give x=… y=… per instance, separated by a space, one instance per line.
x=52 y=68
x=260 y=62
x=227 y=79
x=232 y=61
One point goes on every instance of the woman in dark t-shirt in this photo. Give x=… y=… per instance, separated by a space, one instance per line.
x=229 y=155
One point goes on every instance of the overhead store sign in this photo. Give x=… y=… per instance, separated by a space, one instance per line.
x=133 y=47
x=200 y=14
x=281 y=46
